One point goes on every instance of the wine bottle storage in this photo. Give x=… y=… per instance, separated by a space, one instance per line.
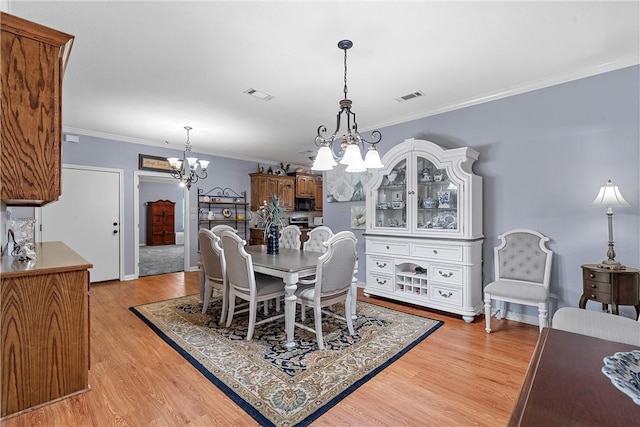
x=410 y=281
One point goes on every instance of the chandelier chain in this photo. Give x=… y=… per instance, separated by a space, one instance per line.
x=345 y=73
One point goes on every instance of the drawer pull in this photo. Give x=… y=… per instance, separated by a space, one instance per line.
x=435 y=252
x=447 y=295
x=381 y=264
x=593 y=296
x=593 y=286
x=387 y=247
x=593 y=276
x=381 y=282
x=446 y=275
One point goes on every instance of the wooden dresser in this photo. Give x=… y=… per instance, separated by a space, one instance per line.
x=44 y=326
x=161 y=223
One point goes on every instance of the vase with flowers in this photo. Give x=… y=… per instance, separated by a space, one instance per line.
x=270 y=217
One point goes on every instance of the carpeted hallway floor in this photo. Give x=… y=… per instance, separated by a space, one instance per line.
x=162 y=259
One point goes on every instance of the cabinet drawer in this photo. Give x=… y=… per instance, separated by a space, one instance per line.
x=597 y=276
x=444 y=294
x=446 y=273
x=389 y=248
x=599 y=296
x=600 y=287
x=380 y=265
x=447 y=253
x=379 y=281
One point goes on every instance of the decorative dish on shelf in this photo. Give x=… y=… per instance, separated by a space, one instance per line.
x=623 y=369
x=206 y=199
x=226 y=213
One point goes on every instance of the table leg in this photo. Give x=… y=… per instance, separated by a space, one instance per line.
x=290 y=311
x=354 y=291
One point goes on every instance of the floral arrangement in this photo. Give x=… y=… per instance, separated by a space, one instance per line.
x=269 y=215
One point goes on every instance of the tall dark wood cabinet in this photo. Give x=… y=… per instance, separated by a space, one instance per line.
x=31 y=68
x=161 y=223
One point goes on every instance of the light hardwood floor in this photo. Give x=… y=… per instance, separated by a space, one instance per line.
x=458 y=376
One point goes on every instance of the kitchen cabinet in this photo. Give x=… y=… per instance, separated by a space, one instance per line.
x=305 y=185
x=319 y=193
x=264 y=186
x=32 y=65
x=424 y=228
x=161 y=222
x=44 y=322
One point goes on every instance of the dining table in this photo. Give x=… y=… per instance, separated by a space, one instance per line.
x=290 y=265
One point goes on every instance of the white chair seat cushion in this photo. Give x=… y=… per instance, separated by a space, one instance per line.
x=516 y=290
x=267 y=285
x=597 y=324
x=306 y=292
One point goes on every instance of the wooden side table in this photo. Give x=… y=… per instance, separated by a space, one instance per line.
x=615 y=287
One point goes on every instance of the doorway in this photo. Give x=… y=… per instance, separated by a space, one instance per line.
x=152 y=260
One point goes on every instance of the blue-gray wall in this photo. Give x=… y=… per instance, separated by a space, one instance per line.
x=543 y=157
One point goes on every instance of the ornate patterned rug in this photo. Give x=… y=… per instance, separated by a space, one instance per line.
x=279 y=387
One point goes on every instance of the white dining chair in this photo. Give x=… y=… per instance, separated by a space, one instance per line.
x=214 y=269
x=245 y=284
x=334 y=273
x=317 y=236
x=290 y=237
x=217 y=230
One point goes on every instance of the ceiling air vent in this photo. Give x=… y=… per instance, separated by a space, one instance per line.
x=259 y=94
x=409 y=96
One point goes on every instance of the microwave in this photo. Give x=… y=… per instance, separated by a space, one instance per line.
x=303 y=205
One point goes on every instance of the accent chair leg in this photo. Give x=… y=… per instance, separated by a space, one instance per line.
x=543 y=315
x=487 y=312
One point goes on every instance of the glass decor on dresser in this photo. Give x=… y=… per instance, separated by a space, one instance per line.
x=424 y=228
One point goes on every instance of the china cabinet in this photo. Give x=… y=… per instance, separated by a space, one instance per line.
x=424 y=228
x=223 y=206
x=32 y=62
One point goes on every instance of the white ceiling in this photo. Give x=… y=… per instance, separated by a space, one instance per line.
x=141 y=71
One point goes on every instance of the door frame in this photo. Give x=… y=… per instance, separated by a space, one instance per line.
x=136 y=215
x=120 y=172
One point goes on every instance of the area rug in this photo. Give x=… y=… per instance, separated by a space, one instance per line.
x=279 y=387
x=154 y=260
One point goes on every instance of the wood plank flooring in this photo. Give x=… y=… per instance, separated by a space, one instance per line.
x=459 y=376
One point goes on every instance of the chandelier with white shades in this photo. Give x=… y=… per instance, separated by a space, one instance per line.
x=186 y=169
x=351 y=142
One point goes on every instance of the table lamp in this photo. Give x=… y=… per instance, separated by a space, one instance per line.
x=609 y=196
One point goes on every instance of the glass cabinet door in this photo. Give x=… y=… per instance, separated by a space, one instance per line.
x=437 y=198
x=391 y=207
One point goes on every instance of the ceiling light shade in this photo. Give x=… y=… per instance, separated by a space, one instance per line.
x=324 y=160
x=351 y=142
x=372 y=159
x=189 y=174
x=609 y=196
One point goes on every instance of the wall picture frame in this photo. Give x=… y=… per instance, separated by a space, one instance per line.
x=153 y=163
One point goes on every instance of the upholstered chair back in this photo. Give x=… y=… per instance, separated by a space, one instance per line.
x=240 y=272
x=523 y=256
x=335 y=268
x=290 y=237
x=317 y=236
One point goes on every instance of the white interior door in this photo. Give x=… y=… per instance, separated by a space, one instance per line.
x=87 y=218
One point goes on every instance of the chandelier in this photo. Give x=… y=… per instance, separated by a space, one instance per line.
x=186 y=169
x=351 y=142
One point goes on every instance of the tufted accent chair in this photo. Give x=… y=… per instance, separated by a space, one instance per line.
x=290 y=237
x=317 y=236
x=522 y=272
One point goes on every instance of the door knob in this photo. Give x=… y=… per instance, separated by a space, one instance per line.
x=115 y=224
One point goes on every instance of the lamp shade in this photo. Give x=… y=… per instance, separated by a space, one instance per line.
x=324 y=160
x=372 y=159
x=356 y=165
x=352 y=155
x=609 y=196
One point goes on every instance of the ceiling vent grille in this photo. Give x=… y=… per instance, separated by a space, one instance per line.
x=411 y=95
x=257 y=93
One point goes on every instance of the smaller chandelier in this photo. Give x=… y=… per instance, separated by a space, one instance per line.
x=186 y=169
x=351 y=142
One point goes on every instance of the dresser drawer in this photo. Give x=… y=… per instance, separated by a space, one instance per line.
x=379 y=281
x=436 y=252
x=447 y=295
x=593 y=286
x=599 y=296
x=395 y=248
x=446 y=273
x=380 y=265
x=597 y=276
